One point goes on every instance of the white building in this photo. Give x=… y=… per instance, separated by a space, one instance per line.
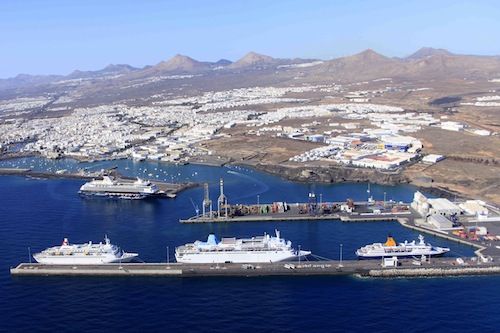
x=474 y=207
x=440 y=222
x=442 y=206
x=439 y=206
x=432 y=158
x=452 y=126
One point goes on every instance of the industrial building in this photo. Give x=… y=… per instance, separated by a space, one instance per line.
x=432 y=158
x=440 y=222
x=452 y=126
x=444 y=207
x=474 y=207
x=439 y=206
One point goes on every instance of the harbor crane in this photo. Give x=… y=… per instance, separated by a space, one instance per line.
x=207 y=203
x=222 y=200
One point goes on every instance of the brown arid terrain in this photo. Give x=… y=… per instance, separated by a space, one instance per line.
x=471 y=167
x=432 y=81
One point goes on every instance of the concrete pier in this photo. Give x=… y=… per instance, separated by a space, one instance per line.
x=293 y=216
x=368 y=268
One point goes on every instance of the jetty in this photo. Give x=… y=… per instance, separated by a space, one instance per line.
x=364 y=268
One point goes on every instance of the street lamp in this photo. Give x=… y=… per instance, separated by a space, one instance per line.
x=258 y=202
x=299 y=254
x=340 y=264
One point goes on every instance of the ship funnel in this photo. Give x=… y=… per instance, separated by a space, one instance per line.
x=390 y=241
x=212 y=240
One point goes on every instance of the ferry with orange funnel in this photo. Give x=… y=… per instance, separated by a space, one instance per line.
x=407 y=249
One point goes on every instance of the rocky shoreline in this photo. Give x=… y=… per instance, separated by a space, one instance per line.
x=333 y=174
x=317 y=174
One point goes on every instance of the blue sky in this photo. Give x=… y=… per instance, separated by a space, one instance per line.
x=42 y=37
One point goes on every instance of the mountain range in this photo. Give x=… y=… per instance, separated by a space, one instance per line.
x=257 y=69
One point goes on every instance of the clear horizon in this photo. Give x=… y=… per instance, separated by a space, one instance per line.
x=58 y=37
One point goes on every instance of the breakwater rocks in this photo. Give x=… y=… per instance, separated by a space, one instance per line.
x=434 y=272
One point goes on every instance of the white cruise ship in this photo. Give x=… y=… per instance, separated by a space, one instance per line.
x=407 y=249
x=259 y=249
x=109 y=186
x=83 y=254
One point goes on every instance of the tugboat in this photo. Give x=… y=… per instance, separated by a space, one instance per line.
x=407 y=249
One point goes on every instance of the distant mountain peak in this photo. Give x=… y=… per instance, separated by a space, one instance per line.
x=425 y=52
x=370 y=54
x=180 y=62
x=252 y=59
x=117 y=68
x=223 y=62
x=366 y=57
x=181 y=59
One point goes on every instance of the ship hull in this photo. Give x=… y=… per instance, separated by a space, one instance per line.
x=116 y=195
x=83 y=260
x=237 y=257
x=434 y=253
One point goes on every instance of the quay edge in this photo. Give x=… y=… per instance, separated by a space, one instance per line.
x=365 y=268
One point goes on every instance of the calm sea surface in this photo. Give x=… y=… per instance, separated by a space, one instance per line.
x=40 y=213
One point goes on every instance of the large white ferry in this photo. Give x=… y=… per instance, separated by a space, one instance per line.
x=83 y=254
x=109 y=186
x=232 y=250
x=407 y=249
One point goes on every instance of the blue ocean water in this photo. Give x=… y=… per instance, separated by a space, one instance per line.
x=39 y=213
